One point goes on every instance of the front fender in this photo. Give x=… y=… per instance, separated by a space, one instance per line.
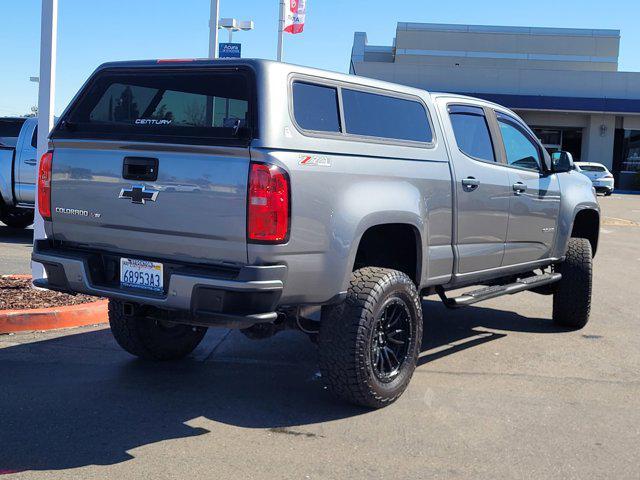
x=577 y=194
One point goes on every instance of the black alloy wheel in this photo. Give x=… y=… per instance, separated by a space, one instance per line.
x=391 y=339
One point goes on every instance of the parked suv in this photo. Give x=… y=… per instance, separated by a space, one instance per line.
x=262 y=196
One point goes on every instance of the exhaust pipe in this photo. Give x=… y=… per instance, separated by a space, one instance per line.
x=128 y=309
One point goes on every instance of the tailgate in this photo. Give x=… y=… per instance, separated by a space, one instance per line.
x=197 y=213
x=153 y=162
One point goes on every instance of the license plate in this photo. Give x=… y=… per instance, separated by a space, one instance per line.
x=141 y=274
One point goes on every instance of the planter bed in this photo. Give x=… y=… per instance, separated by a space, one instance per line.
x=24 y=308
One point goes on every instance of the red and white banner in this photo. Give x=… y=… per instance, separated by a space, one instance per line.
x=294 y=15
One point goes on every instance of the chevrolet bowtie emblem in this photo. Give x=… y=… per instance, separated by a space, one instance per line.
x=139 y=194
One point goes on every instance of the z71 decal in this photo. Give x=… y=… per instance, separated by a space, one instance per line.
x=315 y=160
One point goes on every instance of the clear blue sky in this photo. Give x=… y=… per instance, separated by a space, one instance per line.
x=94 y=31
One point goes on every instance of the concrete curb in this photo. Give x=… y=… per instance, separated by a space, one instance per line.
x=52 y=318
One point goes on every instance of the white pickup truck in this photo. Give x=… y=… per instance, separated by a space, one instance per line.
x=18 y=146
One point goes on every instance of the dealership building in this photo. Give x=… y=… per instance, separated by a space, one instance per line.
x=563 y=82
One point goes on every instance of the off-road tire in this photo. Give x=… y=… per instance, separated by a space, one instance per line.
x=346 y=335
x=572 y=297
x=152 y=339
x=16 y=217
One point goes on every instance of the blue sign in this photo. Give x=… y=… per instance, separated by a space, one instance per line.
x=229 y=50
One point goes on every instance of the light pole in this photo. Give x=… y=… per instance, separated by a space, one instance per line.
x=281 y=30
x=35 y=80
x=46 y=98
x=232 y=25
x=213 y=28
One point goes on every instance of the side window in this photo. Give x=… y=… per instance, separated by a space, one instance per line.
x=34 y=138
x=472 y=132
x=383 y=116
x=315 y=107
x=521 y=151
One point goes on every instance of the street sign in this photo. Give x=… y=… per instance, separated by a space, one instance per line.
x=230 y=50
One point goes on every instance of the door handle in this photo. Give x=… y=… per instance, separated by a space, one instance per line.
x=31 y=161
x=519 y=187
x=140 y=168
x=470 y=183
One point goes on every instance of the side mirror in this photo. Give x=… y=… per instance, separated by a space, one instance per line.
x=561 y=162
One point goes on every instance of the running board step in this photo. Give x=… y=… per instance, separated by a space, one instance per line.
x=475 y=296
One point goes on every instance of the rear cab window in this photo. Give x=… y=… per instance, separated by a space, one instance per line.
x=10 y=131
x=472 y=132
x=199 y=106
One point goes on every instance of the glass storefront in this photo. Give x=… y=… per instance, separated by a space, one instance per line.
x=626 y=161
x=561 y=139
x=631 y=156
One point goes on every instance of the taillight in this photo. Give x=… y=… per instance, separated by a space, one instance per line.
x=44 y=185
x=268 y=204
x=608 y=176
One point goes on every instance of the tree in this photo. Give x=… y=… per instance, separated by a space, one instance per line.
x=194 y=114
x=126 y=107
x=33 y=113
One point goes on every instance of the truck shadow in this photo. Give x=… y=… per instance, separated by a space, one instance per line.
x=16 y=236
x=78 y=400
x=449 y=331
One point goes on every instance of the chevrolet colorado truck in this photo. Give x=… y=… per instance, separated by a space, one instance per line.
x=18 y=146
x=261 y=196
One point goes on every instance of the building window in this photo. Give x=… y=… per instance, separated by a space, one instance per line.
x=626 y=159
x=549 y=137
x=631 y=156
x=555 y=139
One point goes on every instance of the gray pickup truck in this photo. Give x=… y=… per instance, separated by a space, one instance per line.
x=18 y=146
x=262 y=196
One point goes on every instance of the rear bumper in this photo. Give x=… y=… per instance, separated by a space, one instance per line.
x=243 y=297
x=603 y=184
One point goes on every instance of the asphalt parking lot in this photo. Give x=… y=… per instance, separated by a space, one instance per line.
x=15 y=250
x=500 y=393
